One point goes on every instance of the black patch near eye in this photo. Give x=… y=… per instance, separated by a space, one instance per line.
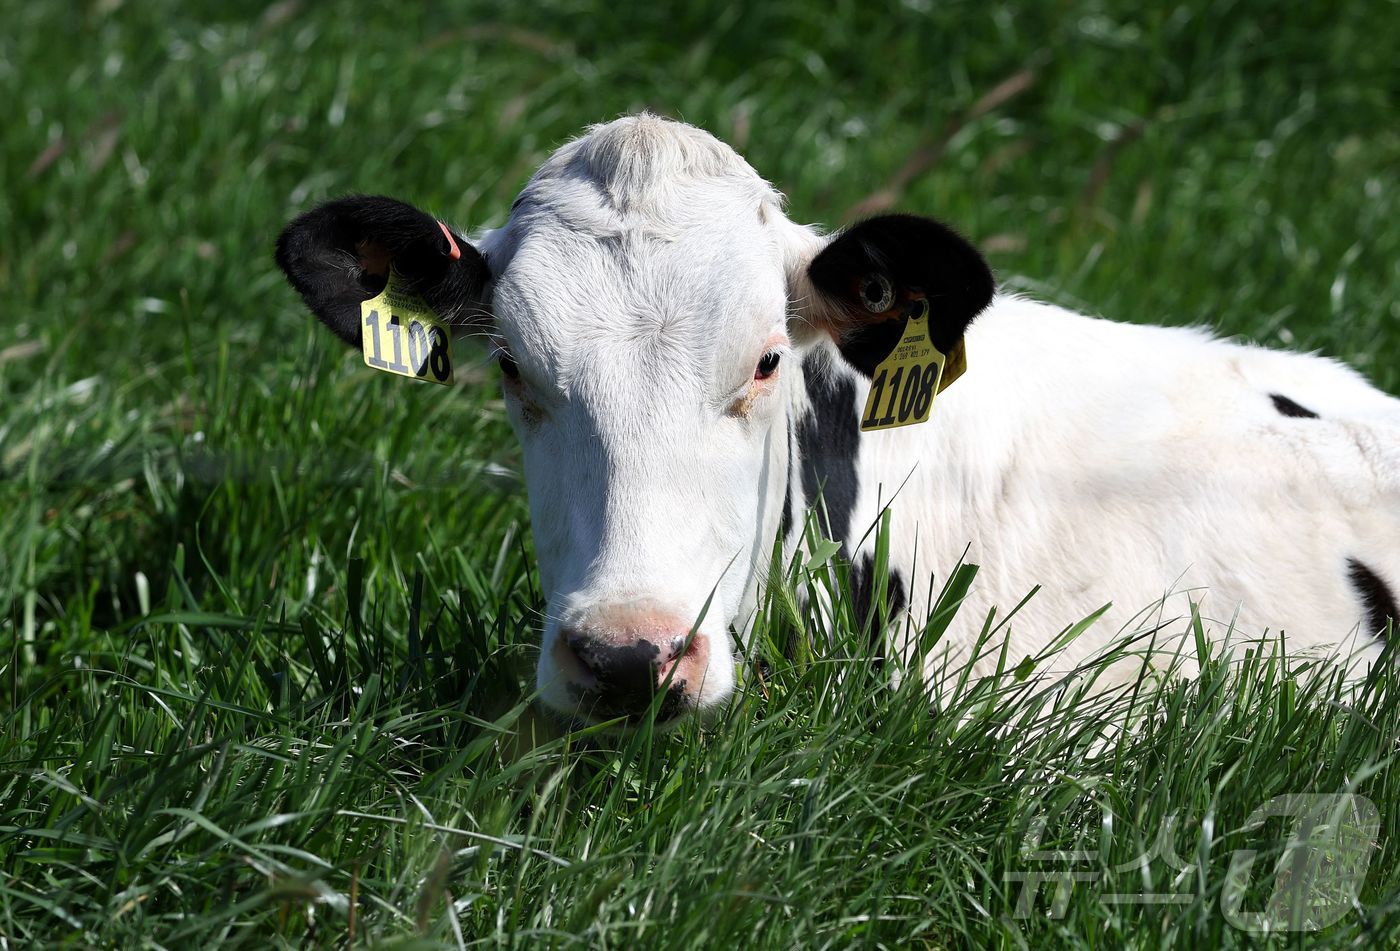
x=1289 y=408
x=509 y=369
x=767 y=366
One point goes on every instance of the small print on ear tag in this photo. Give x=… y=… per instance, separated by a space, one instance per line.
x=905 y=383
x=403 y=336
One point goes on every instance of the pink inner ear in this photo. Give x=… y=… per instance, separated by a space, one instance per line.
x=453 y=252
x=374 y=258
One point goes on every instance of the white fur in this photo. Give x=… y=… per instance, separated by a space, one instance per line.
x=1148 y=468
x=641 y=274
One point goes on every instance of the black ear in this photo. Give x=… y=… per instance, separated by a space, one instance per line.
x=339 y=254
x=869 y=272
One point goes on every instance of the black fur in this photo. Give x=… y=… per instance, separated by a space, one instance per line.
x=786 y=526
x=829 y=437
x=1289 y=408
x=320 y=253
x=918 y=255
x=1375 y=595
x=863 y=597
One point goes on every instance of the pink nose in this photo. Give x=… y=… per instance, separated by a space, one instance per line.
x=617 y=659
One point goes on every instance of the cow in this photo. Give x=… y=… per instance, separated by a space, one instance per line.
x=687 y=370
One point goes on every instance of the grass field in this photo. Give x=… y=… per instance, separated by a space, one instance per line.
x=267 y=629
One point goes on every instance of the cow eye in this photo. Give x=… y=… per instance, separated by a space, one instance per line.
x=508 y=367
x=767 y=366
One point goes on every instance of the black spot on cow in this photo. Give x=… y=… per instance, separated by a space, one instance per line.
x=1289 y=408
x=1375 y=594
x=829 y=437
x=863 y=597
x=787 y=484
x=787 y=511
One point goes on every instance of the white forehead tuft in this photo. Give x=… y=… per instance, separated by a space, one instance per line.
x=640 y=162
x=638 y=176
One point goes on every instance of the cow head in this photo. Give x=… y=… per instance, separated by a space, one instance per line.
x=648 y=301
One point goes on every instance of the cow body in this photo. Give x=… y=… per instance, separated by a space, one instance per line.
x=685 y=368
x=1146 y=468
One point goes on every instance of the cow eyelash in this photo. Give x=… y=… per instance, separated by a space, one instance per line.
x=767 y=365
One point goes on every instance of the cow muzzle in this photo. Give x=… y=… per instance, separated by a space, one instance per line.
x=617 y=659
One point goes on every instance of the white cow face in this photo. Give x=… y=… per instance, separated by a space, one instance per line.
x=648 y=381
x=648 y=301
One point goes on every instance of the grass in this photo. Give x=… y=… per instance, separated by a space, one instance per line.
x=269 y=617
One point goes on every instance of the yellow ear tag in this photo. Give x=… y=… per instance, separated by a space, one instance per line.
x=955 y=367
x=904 y=384
x=403 y=336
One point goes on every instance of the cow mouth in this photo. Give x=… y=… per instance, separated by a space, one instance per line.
x=632 y=710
